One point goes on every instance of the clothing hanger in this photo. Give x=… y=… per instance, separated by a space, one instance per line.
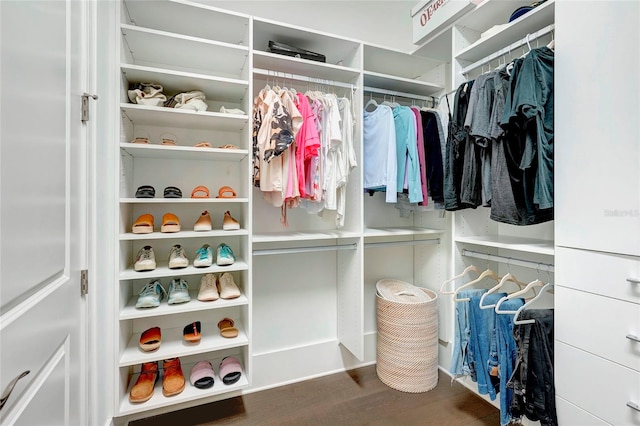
x=487 y=273
x=547 y=288
x=470 y=268
x=531 y=286
x=552 y=43
x=509 y=277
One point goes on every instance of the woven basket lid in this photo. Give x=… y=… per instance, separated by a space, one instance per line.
x=401 y=292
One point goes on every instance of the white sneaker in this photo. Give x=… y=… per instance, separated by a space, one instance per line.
x=178 y=257
x=225 y=255
x=178 y=291
x=208 y=289
x=228 y=287
x=204 y=257
x=145 y=259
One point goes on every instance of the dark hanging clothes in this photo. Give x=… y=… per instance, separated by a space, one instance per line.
x=433 y=155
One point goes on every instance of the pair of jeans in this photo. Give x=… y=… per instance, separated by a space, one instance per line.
x=460 y=363
x=532 y=379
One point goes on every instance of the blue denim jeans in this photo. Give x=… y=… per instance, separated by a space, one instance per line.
x=460 y=365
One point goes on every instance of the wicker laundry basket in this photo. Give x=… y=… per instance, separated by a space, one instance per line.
x=407 y=341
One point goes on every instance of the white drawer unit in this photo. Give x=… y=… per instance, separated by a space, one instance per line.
x=607 y=390
x=569 y=414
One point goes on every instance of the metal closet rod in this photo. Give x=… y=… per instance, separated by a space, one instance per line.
x=288 y=250
x=305 y=78
x=509 y=260
x=403 y=243
x=517 y=44
x=406 y=95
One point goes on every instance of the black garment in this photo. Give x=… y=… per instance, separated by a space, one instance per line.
x=433 y=155
x=456 y=142
x=532 y=378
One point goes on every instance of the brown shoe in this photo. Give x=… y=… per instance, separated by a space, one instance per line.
x=143 y=389
x=172 y=378
x=203 y=223
x=229 y=223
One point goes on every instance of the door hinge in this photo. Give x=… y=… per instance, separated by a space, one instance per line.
x=85 y=105
x=84 y=282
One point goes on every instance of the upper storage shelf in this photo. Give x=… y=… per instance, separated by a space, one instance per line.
x=188 y=18
x=385 y=61
x=480 y=20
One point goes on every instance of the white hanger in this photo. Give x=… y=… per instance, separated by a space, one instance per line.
x=530 y=286
x=470 y=268
x=509 y=277
x=488 y=273
x=547 y=288
x=369 y=103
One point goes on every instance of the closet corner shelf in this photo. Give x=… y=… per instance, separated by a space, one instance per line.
x=315 y=70
x=378 y=59
x=190 y=393
x=171 y=117
x=162 y=270
x=400 y=231
x=156 y=235
x=182 y=152
x=387 y=82
x=173 y=344
x=528 y=245
x=220 y=89
x=276 y=237
x=530 y=22
x=489 y=12
x=130 y=312
x=182 y=200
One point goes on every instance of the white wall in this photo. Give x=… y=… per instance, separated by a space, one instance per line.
x=383 y=22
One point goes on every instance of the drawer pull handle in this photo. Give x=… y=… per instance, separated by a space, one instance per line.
x=633 y=280
x=9 y=388
x=634 y=338
x=633 y=405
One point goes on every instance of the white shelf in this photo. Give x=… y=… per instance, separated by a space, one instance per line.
x=489 y=13
x=186 y=17
x=528 y=245
x=162 y=270
x=387 y=82
x=530 y=22
x=399 y=64
x=183 y=234
x=182 y=152
x=215 y=88
x=130 y=312
x=315 y=70
x=400 y=232
x=190 y=393
x=173 y=344
x=184 y=119
x=182 y=200
x=279 y=237
x=152 y=47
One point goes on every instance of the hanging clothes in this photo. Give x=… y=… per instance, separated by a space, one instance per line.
x=407 y=153
x=379 y=152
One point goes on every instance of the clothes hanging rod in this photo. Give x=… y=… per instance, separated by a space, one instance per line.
x=402 y=243
x=307 y=79
x=530 y=37
x=307 y=249
x=509 y=260
x=400 y=94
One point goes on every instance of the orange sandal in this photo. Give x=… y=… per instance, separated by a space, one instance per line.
x=227 y=329
x=170 y=223
x=226 y=192
x=228 y=146
x=203 y=145
x=143 y=224
x=200 y=191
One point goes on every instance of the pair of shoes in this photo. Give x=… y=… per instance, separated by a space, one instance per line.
x=224 y=255
x=152 y=293
x=146 y=259
x=148 y=191
x=227 y=328
x=192 y=332
x=204 y=256
x=172 y=380
x=204 y=222
x=145 y=222
x=202 y=375
x=212 y=289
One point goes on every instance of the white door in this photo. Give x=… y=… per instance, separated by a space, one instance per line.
x=42 y=215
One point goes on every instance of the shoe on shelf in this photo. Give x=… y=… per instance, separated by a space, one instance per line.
x=204 y=257
x=230 y=370
x=151 y=295
x=227 y=287
x=229 y=223
x=172 y=377
x=150 y=339
x=142 y=390
x=143 y=224
x=227 y=328
x=203 y=223
x=178 y=257
x=208 y=290
x=202 y=376
x=178 y=292
x=145 y=259
x=224 y=255
x=192 y=332
x=170 y=223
